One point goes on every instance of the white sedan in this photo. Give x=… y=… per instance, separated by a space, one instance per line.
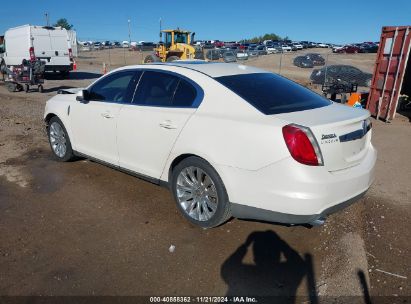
x=227 y=139
x=286 y=48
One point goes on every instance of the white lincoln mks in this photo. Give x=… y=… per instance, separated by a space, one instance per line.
x=227 y=139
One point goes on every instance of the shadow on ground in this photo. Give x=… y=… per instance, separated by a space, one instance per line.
x=72 y=76
x=277 y=271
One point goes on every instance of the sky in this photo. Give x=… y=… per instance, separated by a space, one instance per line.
x=344 y=21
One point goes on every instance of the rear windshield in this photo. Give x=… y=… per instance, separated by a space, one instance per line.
x=273 y=94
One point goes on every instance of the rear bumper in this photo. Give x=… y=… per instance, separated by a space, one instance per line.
x=248 y=212
x=60 y=68
x=289 y=192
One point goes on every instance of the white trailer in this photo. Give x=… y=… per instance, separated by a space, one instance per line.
x=49 y=44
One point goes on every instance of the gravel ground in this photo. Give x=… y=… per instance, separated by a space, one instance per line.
x=81 y=228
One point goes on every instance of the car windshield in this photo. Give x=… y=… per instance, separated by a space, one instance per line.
x=273 y=94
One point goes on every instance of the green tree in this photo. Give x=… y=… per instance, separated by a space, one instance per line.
x=256 y=39
x=63 y=23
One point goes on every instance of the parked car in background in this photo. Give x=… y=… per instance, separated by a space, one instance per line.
x=229 y=56
x=337 y=48
x=252 y=53
x=298 y=45
x=303 y=62
x=262 y=50
x=244 y=46
x=368 y=48
x=164 y=123
x=345 y=73
x=316 y=58
x=285 y=48
x=271 y=49
x=125 y=44
x=219 y=44
x=293 y=47
x=97 y=45
x=208 y=46
x=242 y=55
x=322 y=45
x=213 y=54
x=349 y=49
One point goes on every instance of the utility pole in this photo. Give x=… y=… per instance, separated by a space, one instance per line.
x=129 y=32
x=161 y=36
x=47 y=19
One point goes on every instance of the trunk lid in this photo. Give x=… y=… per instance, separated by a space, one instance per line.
x=342 y=133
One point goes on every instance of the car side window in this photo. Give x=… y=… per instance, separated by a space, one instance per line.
x=117 y=87
x=185 y=94
x=156 y=89
x=164 y=90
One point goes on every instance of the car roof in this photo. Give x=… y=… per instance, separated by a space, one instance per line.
x=212 y=69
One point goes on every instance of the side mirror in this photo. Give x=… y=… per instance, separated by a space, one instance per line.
x=83 y=96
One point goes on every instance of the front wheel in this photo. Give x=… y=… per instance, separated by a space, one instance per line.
x=200 y=193
x=151 y=59
x=172 y=58
x=59 y=140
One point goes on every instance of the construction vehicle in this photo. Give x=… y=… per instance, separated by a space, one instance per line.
x=177 y=45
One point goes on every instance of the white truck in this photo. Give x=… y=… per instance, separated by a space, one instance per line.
x=49 y=44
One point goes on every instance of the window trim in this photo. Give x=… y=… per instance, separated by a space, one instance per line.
x=111 y=74
x=196 y=103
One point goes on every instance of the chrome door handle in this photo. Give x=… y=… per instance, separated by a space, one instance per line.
x=107 y=115
x=167 y=125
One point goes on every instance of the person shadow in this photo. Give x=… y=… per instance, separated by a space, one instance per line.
x=277 y=272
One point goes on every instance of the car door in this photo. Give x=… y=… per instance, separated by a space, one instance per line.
x=94 y=121
x=149 y=127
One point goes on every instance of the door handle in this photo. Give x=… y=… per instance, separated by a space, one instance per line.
x=167 y=125
x=107 y=115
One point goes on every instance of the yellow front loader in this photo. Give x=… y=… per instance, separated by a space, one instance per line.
x=177 y=45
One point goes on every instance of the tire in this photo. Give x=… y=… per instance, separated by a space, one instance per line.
x=57 y=134
x=208 y=204
x=26 y=88
x=151 y=58
x=3 y=68
x=199 y=55
x=11 y=86
x=41 y=89
x=172 y=58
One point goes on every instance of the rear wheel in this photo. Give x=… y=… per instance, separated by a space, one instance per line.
x=200 y=193
x=3 y=68
x=151 y=58
x=11 y=86
x=172 y=58
x=59 y=140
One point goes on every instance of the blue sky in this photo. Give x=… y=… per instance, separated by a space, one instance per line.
x=321 y=21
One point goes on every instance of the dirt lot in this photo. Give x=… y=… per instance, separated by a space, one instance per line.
x=83 y=229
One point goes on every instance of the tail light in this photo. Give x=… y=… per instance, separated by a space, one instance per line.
x=32 y=55
x=302 y=145
x=71 y=54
